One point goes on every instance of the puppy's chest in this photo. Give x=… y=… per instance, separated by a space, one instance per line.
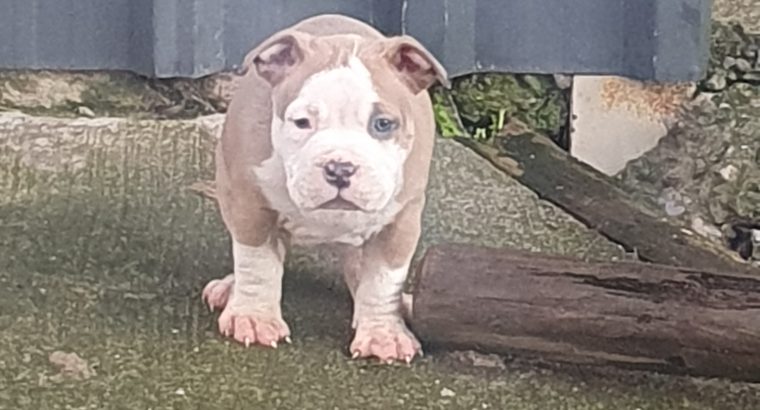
x=349 y=228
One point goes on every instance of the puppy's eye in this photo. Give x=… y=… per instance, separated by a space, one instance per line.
x=382 y=126
x=302 y=123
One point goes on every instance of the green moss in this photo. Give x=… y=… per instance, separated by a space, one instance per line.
x=446 y=115
x=484 y=102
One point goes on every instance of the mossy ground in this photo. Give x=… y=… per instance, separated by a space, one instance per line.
x=104 y=253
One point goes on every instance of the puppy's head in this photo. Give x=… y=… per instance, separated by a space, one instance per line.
x=342 y=121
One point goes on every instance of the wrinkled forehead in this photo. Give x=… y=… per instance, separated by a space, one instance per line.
x=345 y=91
x=343 y=73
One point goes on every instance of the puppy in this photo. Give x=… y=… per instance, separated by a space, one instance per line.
x=327 y=140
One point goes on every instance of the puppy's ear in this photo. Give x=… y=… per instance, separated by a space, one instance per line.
x=414 y=64
x=273 y=59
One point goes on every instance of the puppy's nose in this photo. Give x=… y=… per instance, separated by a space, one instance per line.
x=338 y=174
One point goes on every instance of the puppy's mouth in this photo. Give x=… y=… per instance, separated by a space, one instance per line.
x=339 y=204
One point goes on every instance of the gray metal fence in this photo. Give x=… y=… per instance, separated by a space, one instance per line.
x=663 y=40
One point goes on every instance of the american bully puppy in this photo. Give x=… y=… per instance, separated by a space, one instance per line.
x=327 y=139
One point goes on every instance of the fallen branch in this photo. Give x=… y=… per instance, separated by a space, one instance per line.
x=593 y=198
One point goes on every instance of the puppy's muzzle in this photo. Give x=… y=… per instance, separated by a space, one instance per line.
x=339 y=173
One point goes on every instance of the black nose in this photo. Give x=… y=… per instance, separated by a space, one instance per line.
x=338 y=174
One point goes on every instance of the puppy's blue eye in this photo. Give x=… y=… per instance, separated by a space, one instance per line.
x=302 y=123
x=383 y=125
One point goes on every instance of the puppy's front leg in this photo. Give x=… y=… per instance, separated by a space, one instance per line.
x=251 y=296
x=381 y=270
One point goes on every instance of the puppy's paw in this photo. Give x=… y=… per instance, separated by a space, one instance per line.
x=217 y=292
x=389 y=341
x=254 y=328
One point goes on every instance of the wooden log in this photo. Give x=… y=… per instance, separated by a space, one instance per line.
x=594 y=199
x=627 y=314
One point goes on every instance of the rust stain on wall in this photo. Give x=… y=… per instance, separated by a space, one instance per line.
x=650 y=100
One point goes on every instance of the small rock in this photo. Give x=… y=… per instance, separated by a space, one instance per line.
x=717 y=211
x=85 y=111
x=743 y=65
x=180 y=392
x=71 y=365
x=751 y=76
x=563 y=81
x=716 y=82
x=446 y=392
x=674 y=209
x=729 y=173
x=479 y=359
x=729 y=62
x=709 y=231
x=749 y=52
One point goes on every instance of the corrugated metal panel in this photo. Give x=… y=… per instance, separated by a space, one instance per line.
x=248 y=22
x=76 y=33
x=644 y=39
